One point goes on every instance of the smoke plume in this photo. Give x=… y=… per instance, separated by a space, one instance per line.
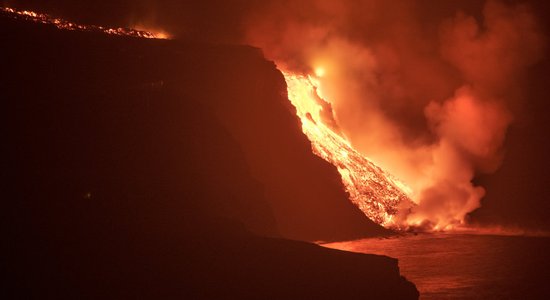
x=428 y=98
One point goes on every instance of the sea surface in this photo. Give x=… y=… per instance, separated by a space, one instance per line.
x=467 y=266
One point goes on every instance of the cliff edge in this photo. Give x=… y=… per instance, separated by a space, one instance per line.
x=150 y=168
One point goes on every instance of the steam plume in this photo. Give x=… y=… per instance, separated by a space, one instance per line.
x=428 y=98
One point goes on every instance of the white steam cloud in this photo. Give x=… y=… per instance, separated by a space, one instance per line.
x=428 y=98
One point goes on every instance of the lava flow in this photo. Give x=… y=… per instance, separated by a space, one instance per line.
x=381 y=197
x=66 y=25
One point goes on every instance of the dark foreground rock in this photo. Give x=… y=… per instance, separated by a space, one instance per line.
x=140 y=168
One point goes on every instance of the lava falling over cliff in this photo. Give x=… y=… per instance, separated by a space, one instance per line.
x=427 y=99
x=418 y=89
x=378 y=194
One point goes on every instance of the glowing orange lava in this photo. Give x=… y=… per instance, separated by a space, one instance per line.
x=378 y=194
x=62 y=24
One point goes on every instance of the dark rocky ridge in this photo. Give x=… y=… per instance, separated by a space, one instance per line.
x=131 y=164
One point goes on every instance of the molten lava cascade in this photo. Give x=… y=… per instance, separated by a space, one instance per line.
x=62 y=24
x=378 y=194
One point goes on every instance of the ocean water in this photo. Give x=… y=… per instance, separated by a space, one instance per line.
x=467 y=266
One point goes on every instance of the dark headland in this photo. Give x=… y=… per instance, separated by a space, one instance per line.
x=138 y=168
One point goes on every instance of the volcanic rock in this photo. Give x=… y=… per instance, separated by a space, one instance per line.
x=150 y=168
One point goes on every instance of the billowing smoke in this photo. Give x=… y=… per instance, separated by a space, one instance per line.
x=427 y=98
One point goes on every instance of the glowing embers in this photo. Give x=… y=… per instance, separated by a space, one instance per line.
x=62 y=24
x=378 y=194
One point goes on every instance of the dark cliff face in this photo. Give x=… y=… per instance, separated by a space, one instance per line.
x=249 y=98
x=140 y=106
x=136 y=168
